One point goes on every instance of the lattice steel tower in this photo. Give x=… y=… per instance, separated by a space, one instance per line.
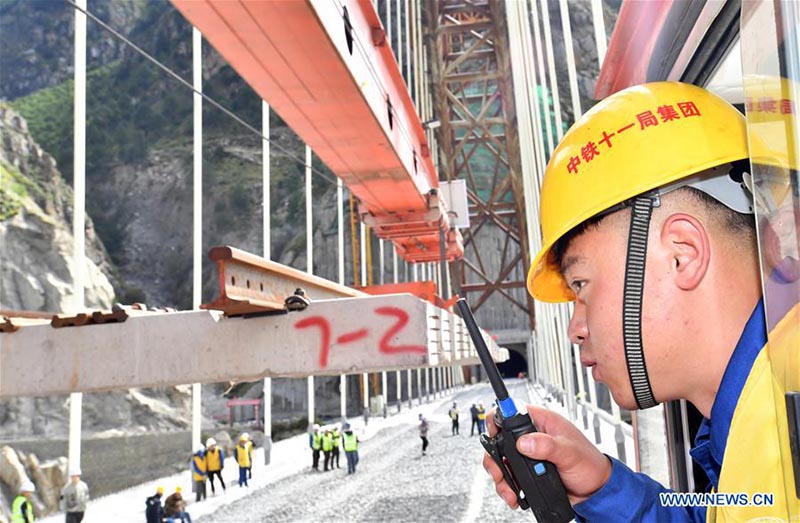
x=479 y=143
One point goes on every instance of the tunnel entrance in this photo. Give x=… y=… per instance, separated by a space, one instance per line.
x=516 y=362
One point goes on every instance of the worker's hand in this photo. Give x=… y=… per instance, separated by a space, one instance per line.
x=583 y=468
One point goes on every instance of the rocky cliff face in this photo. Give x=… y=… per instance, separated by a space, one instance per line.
x=16 y=467
x=36 y=273
x=585 y=48
x=153 y=203
x=36 y=37
x=37 y=269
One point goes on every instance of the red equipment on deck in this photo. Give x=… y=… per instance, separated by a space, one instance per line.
x=424 y=290
x=326 y=69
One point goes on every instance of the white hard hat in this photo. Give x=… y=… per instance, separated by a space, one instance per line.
x=316 y=426
x=198 y=448
x=245 y=435
x=27 y=486
x=210 y=441
x=74 y=471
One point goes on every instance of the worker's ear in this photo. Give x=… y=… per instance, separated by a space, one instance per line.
x=687 y=249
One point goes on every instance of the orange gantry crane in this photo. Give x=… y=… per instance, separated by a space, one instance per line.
x=326 y=68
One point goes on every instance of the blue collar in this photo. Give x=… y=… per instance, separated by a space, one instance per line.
x=712 y=437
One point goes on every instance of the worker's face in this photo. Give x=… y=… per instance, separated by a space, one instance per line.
x=28 y=494
x=594 y=268
x=75 y=479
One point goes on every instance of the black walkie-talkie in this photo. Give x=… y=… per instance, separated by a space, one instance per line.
x=536 y=483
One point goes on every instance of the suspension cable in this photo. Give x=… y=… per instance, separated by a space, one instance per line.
x=207 y=98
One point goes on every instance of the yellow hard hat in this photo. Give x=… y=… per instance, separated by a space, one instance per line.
x=634 y=141
x=160 y=489
x=771 y=109
x=178 y=489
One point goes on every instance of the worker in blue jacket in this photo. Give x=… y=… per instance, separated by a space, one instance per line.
x=154 y=510
x=647 y=220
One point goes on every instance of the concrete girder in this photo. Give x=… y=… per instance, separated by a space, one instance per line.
x=330 y=337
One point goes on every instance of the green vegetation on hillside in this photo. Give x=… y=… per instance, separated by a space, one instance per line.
x=123 y=116
x=13 y=188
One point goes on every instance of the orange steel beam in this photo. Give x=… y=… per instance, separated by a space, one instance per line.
x=11 y=321
x=325 y=67
x=368 y=254
x=250 y=284
x=424 y=290
x=417 y=249
x=426 y=248
x=354 y=239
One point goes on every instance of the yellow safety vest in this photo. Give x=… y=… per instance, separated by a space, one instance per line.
x=200 y=463
x=243 y=456
x=327 y=443
x=337 y=438
x=350 y=442
x=16 y=510
x=316 y=441
x=481 y=413
x=213 y=461
x=757 y=457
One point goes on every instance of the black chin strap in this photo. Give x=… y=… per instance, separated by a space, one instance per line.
x=641 y=211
